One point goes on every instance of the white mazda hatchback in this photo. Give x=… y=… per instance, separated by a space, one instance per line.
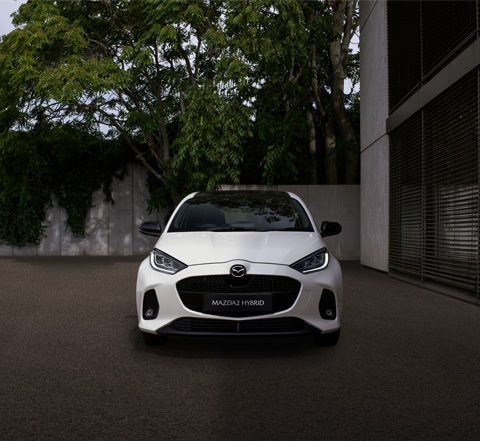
x=240 y=263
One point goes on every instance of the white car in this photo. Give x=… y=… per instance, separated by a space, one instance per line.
x=240 y=263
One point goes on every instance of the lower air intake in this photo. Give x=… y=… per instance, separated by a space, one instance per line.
x=285 y=325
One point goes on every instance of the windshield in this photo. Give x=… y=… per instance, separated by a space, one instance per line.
x=241 y=211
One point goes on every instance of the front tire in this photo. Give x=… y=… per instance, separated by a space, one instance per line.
x=154 y=339
x=330 y=339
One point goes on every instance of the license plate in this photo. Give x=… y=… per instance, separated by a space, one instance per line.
x=240 y=303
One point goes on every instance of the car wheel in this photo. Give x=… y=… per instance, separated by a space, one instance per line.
x=154 y=339
x=330 y=339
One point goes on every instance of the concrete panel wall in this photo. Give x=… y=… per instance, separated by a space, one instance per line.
x=373 y=72
x=97 y=226
x=120 y=219
x=374 y=140
x=51 y=244
x=340 y=203
x=112 y=229
x=142 y=244
x=374 y=206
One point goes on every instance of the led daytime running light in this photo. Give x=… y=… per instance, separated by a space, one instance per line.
x=164 y=263
x=314 y=262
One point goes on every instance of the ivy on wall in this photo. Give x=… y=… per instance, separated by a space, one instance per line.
x=64 y=163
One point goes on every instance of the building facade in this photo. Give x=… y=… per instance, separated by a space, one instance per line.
x=420 y=70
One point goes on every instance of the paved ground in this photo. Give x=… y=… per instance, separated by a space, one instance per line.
x=73 y=366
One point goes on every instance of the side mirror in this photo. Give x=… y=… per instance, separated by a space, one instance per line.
x=330 y=228
x=150 y=228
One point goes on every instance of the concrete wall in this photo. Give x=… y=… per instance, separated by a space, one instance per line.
x=374 y=141
x=112 y=229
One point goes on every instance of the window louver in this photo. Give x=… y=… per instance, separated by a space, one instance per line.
x=446 y=27
x=422 y=37
x=406 y=197
x=451 y=185
x=404 y=50
x=434 y=198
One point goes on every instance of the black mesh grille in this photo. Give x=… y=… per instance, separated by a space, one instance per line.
x=286 y=325
x=248 y=284
x=283 y=290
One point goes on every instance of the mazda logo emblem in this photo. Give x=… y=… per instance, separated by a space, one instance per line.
x=238 y=270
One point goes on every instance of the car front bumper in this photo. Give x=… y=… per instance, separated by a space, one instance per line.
x=302 y=316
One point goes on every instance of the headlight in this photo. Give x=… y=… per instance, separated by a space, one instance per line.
x=164 y=263
x=314 y=262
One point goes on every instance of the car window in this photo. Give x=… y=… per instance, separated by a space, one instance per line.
x=241 y=211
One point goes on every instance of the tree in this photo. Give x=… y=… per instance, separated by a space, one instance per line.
x=134 y=68
x=267 y=38
x=192 y=86
x=345 y=21
x=298 y=52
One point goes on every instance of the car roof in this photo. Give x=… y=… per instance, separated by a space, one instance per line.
x=254 y=194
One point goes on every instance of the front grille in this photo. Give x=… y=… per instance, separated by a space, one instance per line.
x=282 y=290
x=284 y=325
x=248 y=284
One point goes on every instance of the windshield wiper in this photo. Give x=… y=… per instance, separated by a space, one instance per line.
x=260 y=230
x=220 y=229
x=293 y=229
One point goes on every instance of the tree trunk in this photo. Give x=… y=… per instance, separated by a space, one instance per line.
x=345 y=128
x=342 y=26
x=330 y=154
x=312 y=149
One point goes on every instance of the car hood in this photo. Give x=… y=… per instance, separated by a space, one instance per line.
x=279 y=247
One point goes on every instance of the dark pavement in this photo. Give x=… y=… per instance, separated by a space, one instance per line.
x=73 y=365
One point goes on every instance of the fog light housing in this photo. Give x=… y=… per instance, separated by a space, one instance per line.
x=330 y=313
x=150 y=305
x=327 y=306
x=149 y=313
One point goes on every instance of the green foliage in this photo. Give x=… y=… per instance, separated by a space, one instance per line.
x=203 y=93
x=159 y=194
x=209 y=148
x=276 y=40
x=22 y=216
x=88 y=165
x=65 y=163
x=23 y=197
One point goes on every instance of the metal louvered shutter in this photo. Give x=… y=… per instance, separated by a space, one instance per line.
x=406 y=197
x=450 y=180
x=422 y=37
x=447 y=26
x=404 y=50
